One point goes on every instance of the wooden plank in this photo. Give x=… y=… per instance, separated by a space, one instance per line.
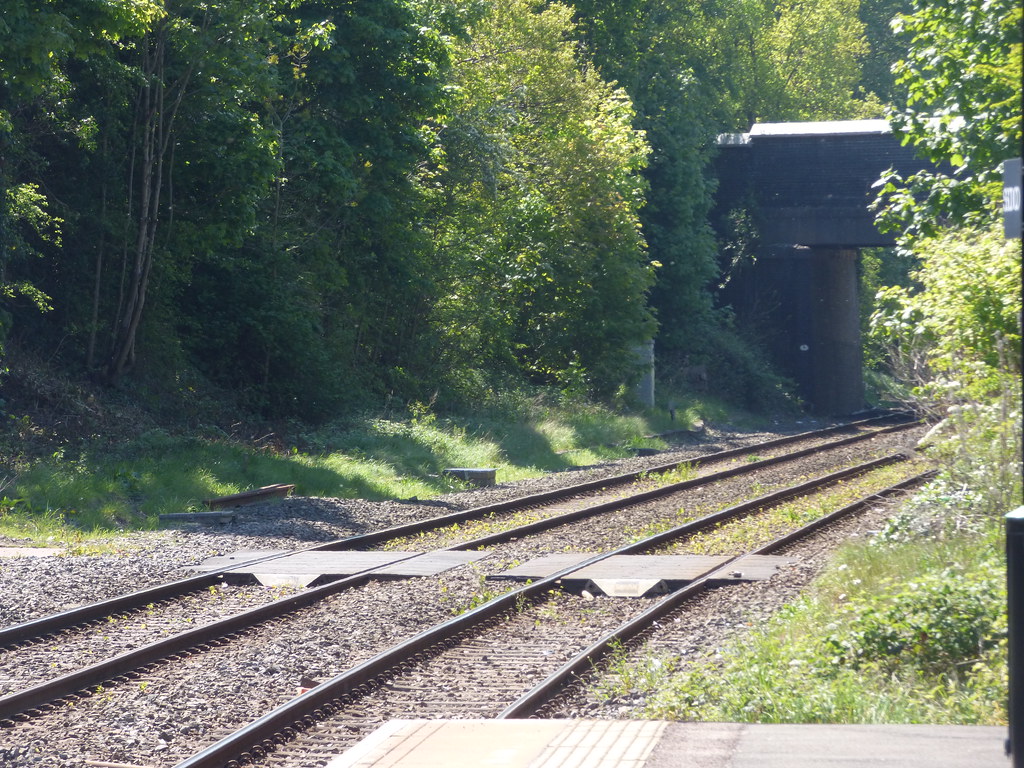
x=266 y=493
x=198 y=517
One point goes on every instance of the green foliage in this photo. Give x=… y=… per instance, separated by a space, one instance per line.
x=27 y=217
x=534 y=192
x=953 y=335
x=320 y=206
x=97 y=487
x=963 y=79
x=884 y=49
x=943 y=620
x=889 y=647
x=665 y=55
x=806 y=62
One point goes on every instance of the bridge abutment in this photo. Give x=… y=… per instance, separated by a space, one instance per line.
x=837 y=384
x=806 y=301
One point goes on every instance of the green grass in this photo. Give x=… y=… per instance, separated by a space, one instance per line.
x=897 y=630
x=102 y=489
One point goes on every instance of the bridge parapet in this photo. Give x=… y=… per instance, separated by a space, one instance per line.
x=811 y=183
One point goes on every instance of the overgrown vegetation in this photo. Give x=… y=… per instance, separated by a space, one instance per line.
x=95 y=485
x=911 y=626
x=868 y=645
x=319 y=207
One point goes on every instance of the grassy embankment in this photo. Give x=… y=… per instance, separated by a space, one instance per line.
x=909 y=626
x=97 y=489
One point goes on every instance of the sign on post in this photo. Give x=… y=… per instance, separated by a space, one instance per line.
x=1011 y=198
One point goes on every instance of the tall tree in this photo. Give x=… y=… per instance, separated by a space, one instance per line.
x=38 y=42
x=667 y=54
x=325 y=298
x=535 y=190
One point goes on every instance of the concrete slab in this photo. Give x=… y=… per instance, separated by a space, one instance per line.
x=303 y=568
x=658 y=744
x=234 y=558
x=679 y=569
x=30 y=551
x=846 y=746
x=543 y=566
x=504 y=744
x=480 y=476
x=432 y=563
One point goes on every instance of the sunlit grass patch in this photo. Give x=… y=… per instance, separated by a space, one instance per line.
x=105 y=488
x=751 y=531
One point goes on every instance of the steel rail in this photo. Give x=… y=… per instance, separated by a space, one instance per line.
x=532 y=701
x=47 y=625
x=19 y=702
x=326 y=698
x=81 y=680
x=539 y=499
x=659 y=492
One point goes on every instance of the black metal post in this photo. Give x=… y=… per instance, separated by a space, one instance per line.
x=1015 y=598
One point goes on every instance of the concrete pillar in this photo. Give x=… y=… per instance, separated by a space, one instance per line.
x=837 y=379
x=645 y=358
x=775 y=300
x=805 y=304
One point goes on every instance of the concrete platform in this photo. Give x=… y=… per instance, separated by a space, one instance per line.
x=659 y=744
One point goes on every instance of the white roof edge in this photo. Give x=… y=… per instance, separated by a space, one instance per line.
x=732 y=139
x=820 y=128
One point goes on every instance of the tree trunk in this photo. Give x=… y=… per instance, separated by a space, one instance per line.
x=157 y=106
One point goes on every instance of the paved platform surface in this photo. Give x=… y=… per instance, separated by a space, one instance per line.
x=658 y=744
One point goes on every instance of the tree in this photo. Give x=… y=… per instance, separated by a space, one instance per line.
x=884 y=48
x=958 y=332
x=323 y=301
x=535 y=189
x=37 y=44
x=962 y=74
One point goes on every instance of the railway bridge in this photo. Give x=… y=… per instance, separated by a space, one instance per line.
x=805 y=189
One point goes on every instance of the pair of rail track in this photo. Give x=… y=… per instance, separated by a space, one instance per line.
x=333 y=696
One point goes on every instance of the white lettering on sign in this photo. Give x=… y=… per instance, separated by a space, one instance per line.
x=1011 y=199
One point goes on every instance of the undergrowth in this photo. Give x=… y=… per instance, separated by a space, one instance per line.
x=908 y=627
x=93 y=486
x=873 y=647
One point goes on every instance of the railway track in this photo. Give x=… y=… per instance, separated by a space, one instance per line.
x=557 y=503
x=126 y=635
x=139 y=670
x=505 y=660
